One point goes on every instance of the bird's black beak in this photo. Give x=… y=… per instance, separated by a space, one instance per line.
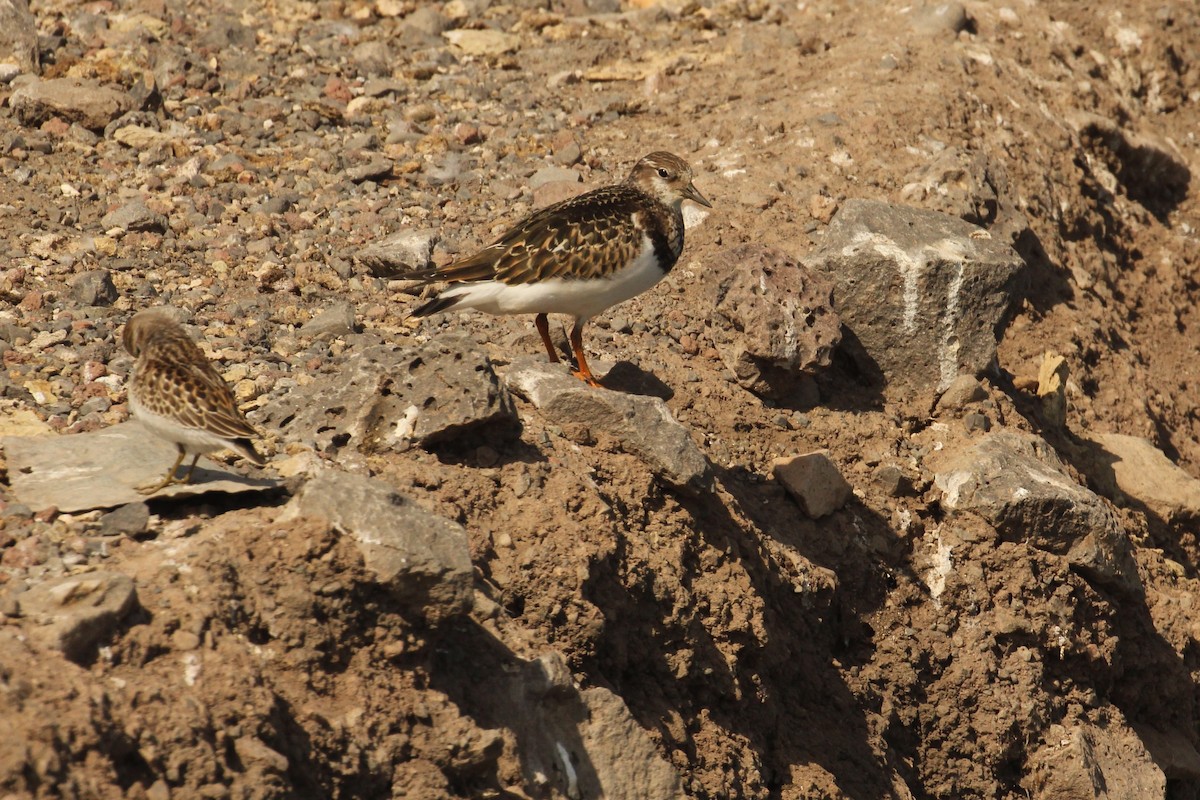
x=693 y=194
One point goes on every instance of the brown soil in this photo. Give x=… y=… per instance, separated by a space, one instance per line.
x=767 y=655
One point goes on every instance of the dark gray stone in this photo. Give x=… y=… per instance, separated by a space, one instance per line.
x=774 y=319
x=131 y=519
x=135 y=216
x=642 y=425
x=88 y=103
x=420 y=558
x=923 y=293
x=387 y=398
x=93 y=288
x=892 y=480
x=374 y=169
x=76 y=613
x=1017 y=483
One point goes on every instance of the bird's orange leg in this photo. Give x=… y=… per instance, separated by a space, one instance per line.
x=543 y=326
x=583 y=373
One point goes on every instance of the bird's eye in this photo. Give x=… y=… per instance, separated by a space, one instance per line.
x=662 y=173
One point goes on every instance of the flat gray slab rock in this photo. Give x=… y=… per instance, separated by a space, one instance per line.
x=643 y=425
x=101 y=469
x=389 y=397
x=921 y=291
x=1017 y=483
x=420 y=558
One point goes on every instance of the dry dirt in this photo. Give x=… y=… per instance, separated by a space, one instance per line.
x=765 y=655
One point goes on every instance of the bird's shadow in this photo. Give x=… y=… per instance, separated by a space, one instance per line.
x=631 y=379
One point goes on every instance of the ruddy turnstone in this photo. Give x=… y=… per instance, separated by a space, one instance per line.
x=577 y=257
x=178 y=395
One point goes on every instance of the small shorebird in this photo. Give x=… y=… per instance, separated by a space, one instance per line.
x=577 y=257
x=177 y=394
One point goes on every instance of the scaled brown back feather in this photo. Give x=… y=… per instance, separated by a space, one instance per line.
x=588 y=236
x=174 y=379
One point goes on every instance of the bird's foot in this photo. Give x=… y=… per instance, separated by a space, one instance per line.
x=587 y=377
x=152 y=488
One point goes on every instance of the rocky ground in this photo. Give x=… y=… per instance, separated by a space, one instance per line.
x=891 y=493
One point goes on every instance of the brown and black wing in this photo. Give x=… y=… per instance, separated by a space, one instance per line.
x=174 y=379
x=588 y=236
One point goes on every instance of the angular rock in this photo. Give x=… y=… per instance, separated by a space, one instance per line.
x=1172 y=751
x=131 y=519
x=1079 y=761
x=1132 y=471
x=643 y=426
x=100 y=469
x=482 y=42
x=388 y=397
x=626 y=760
x=814 y=481
x=91 y=105
x=373 y=170
x=75 y=613
x=1016 y=483
x=402 y=251
x=553 y=174
x=337 y=320
x=580 y=743
x=962 y=391
x=93 y=288
x=18 y=34
x=778 y=318
x=135 y=216
x=940 y=18
x=923 y=293
x=420 y=558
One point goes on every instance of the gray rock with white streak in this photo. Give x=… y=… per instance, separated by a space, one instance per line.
x=922 y=292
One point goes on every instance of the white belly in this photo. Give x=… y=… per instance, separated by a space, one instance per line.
x=579 y=298
x=194 y=441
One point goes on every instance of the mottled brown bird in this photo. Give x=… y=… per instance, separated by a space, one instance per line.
x=177 y=394
x=579 y=256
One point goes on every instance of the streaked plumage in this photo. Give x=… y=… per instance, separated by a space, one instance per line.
x=176 y=393
x=579 y=256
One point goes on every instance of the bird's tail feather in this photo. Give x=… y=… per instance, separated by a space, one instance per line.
x=442 y=302
x=245 y=447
